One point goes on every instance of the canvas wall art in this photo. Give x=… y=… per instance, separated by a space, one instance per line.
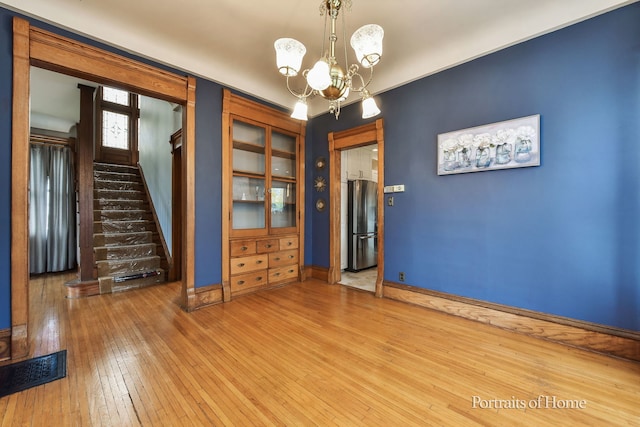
x=503 y=145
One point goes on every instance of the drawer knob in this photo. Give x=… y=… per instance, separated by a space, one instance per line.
x=267 y=246
x=259 y=278
x=259 y=261
x=277 y=274
x=244 y=248
x=291 y=271
x=241 y=264
x=240 y=282
x=277 y=259
x=289 y=243
x=291 y=257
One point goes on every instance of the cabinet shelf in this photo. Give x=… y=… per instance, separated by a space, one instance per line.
x=248 y=146
x=256 y=202
x=285 y=178
x=248 y=174
x=283 y=154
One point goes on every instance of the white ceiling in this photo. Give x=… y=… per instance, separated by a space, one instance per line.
x=231 y=41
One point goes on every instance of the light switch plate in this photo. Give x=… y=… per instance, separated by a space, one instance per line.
x=388 y=189
x=398 y=188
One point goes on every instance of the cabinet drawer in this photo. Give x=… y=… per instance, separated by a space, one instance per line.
x=281 y=258
x=268 y=245
x=289 y=242
x=248 y=263
x=283 y=273
x=243 y=247
x=245 y=282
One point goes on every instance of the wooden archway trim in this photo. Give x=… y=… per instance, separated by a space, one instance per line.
x=372 y=133
x=34 y=46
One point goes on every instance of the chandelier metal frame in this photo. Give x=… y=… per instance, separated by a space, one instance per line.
x=341 y=83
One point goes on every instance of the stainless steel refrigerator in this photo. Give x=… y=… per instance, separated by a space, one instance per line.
x=362 y=228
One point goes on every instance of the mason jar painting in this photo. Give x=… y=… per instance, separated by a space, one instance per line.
x=449 y=148
x=464 y=157
x=503 y=154
x=523 y=151
x=483 y=156
x=502 y=145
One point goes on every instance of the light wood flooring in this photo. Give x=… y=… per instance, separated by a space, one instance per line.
x=301 y=355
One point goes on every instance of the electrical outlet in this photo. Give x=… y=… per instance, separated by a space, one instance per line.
x=401 y=276
x=390 y=200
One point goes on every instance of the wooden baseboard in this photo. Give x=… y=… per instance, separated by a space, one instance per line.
x=603 y=339
x=207 y=295
x=78 y=289
x=315 y=272
x=5 y=344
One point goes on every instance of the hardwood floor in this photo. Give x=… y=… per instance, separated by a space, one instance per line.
x=304 y=354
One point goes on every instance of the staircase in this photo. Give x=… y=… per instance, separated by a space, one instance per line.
x=125 y=237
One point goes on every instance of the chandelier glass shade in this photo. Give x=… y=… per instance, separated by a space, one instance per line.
x=327 y=78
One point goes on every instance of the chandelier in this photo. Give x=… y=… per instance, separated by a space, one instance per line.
x=327 y=78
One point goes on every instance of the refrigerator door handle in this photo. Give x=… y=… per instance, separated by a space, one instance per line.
x=371 y=236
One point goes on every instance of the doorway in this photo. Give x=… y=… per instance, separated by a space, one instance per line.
x=359 y=219
x=34 y=46
x=371 y=135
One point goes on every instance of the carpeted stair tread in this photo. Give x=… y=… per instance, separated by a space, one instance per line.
x=108 y=167
x=120 y=204
x=103 y=253
x=118 y=194
x=120 y=267
x=127 y=238
x=122 y=214
x=116 y=176
x=124 y=226
x=117 y=185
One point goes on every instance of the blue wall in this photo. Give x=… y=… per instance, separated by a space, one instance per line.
x=6 y=70
x=208 y=260
x=562 y=238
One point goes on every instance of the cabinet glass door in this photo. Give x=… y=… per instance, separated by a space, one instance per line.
x=283 y=178
x=249 y=166
x=283 y=204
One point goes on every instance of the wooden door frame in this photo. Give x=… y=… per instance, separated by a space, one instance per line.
x=37 y=47
x=175 y=271
x=372 y=133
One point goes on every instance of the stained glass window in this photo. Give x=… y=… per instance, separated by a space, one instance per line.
x=116 y=96
x=115 y=130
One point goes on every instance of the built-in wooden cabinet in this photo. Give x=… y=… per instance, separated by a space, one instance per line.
x=263 y=186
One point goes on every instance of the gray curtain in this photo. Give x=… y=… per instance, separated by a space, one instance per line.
x=52 y=210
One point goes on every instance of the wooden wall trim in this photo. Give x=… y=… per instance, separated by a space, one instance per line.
x=84 y=171
x=262 y=113
x=207 y=295
x=585 y=335
x=316 y=272
x=53 y=140
x=372 y=133
x=189 y=196
x=58 y=53
x=5 y=344
x=226 y=189
x=19 y=194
